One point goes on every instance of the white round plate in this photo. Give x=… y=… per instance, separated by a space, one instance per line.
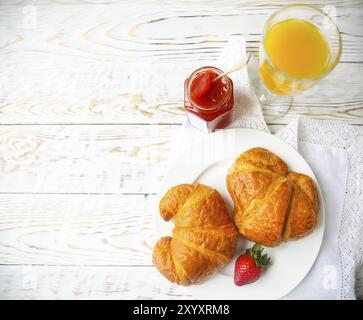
x=207 y=161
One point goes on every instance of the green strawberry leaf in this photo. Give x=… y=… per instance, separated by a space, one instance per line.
x=261 y=260
x=256 y=247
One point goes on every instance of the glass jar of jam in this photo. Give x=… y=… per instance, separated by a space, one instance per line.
x=208 y=101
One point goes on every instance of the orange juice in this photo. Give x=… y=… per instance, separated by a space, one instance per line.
x=297 y=51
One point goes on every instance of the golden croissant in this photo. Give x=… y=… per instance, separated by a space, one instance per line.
x=203 y=240
x=271 y=205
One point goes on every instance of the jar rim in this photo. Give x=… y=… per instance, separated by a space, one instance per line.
x=219 y=104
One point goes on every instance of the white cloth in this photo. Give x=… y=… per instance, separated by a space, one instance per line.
x=335 y=153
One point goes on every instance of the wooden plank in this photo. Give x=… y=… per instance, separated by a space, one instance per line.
x=48 y=229
x=248 y=3
x=139 y=30
x=57 y=282
x=339 y=96
x=79 y=282
x=116 y=159
x=84 y=159
x=88 y=70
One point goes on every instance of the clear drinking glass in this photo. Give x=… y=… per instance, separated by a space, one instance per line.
x=274 y=85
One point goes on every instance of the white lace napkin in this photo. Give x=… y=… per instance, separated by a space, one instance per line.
x=335 y=153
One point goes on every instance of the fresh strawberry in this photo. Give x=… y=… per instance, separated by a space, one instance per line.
x=249 y=266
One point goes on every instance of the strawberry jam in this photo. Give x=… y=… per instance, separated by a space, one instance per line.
x=208 y=101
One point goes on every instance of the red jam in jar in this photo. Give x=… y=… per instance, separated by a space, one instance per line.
x=208 y=102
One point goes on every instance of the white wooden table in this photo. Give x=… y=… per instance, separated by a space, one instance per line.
x=90 y=103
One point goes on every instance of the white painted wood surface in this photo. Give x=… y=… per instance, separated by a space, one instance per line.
x=90 y=104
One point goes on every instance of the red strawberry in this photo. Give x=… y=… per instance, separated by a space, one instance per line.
x=249 y=266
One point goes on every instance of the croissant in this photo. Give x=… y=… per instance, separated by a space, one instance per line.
x=271 y=205
x=203 y=240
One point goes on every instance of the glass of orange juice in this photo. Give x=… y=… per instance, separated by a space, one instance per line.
x=300 y=45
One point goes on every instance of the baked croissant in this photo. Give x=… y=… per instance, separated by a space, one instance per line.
x=203 y=240
x=271 y=205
